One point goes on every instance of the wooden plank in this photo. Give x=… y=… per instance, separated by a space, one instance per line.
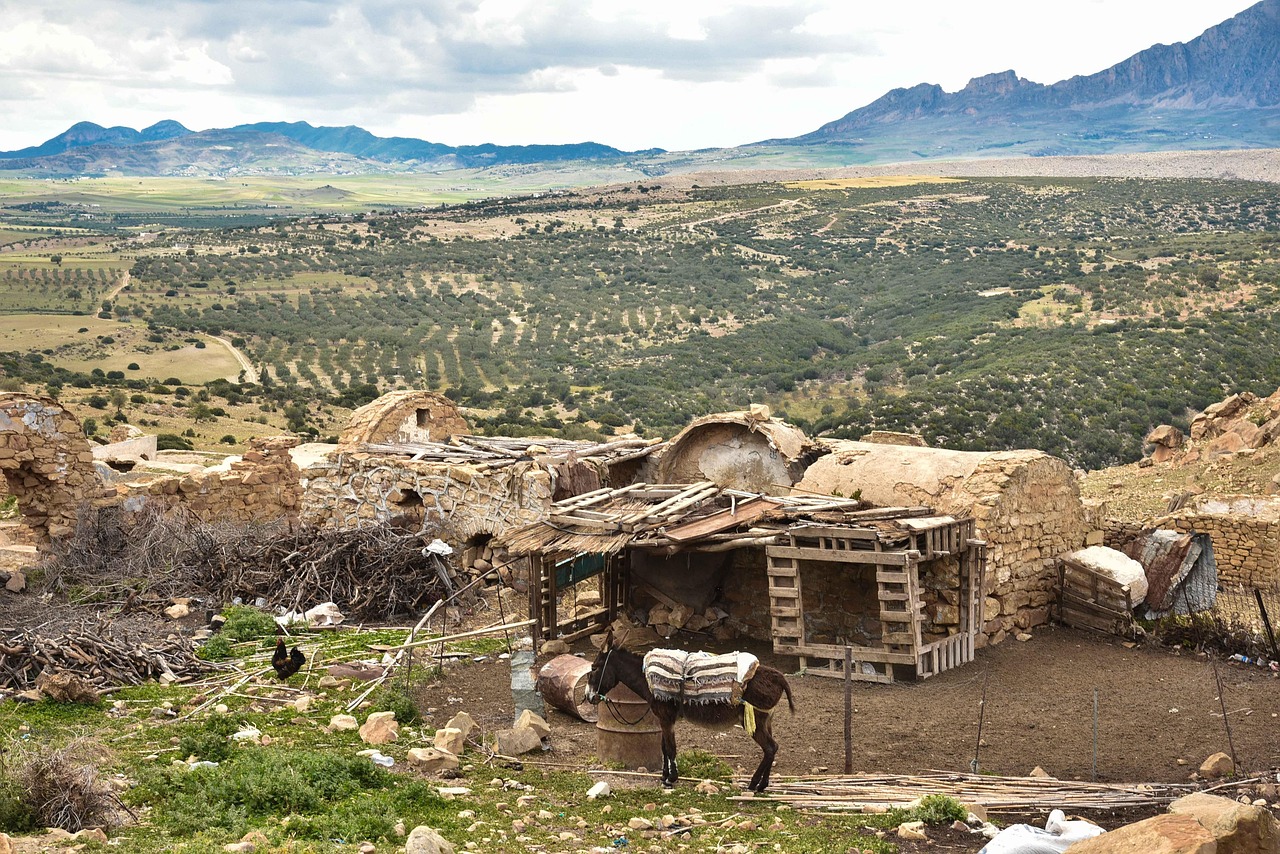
x=838 y=555
x=810 y=531
x=779 y=611
x=1102 y=608
x=921 y=524
x=745 y=513
x=891 y=577
x=872 y=654
x=858 y=675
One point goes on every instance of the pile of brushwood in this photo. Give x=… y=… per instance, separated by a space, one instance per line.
x=372 y=573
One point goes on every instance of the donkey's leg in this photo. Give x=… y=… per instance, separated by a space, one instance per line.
x=764 y=737
x=670 y=773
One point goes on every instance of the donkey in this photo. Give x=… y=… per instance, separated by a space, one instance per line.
x=761 y=692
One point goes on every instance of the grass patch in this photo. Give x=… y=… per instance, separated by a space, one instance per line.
x=319 y=796
x=245 y=623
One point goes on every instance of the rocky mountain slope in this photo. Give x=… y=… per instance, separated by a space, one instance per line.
x=1221 y=89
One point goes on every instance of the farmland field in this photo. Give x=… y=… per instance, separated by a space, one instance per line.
x=1069 y=314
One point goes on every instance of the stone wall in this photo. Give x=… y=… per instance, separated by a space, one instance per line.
x=352 y=489
x=262 y=486
x=47 y=465
x=1245 y=531
x=1026 y=505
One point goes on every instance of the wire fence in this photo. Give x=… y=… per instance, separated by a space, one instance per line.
x=1242 y=622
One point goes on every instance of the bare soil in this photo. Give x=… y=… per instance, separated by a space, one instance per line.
x=1158 y=718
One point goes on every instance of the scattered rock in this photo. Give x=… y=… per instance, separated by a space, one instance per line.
x=513 y=742
x=706 y=787
x=462 y=721
x=1041 y=773
x=90 y=834
x=450 y=739
x=380 y=728
x=912 y=830
x=6 y=844
x=1216 y=766
x=427 y=840
x=16 y=582
x=64 y=687
x=177 y=611
x=340 y=723
x=555 y=646
x=531 y=720
x=432 y=760
x=1164 y=834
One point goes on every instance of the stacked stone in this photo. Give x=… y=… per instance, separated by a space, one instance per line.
x=352 y=489
x=47 y=465
x=1027 y=507
x=1245 y=531
x=261 y=486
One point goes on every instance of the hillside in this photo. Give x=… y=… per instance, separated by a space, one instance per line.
x=1068 y=314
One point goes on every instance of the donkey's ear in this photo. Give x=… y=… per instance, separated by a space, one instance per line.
x=608 y=639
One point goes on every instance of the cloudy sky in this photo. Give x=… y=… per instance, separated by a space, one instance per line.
x=674 y=74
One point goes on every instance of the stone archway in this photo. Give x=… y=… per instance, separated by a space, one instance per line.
x=47 y=464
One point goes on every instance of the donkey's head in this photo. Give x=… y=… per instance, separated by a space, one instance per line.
x=604 y=671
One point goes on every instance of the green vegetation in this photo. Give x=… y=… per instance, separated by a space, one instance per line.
x=1070 y=315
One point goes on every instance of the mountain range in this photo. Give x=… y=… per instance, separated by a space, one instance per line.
x=1220 y=90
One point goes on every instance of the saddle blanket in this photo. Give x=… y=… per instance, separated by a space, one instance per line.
x=698 y=677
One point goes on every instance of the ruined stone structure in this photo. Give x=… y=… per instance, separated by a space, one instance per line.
x=404 y=416
x=47 y=464
x=262 y=486
x=1245 y=530
x=1026 y=505
x=352 y=488
x=738 y=450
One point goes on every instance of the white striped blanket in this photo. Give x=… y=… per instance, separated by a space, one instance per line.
x=698 y=677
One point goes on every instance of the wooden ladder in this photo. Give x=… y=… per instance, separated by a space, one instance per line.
x=786 y=613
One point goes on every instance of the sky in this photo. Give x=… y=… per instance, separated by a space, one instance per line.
x=674 y=74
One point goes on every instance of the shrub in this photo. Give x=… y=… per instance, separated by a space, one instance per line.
x=170 y=442
x=59 y=787
x=247 y=623
x=228 y=439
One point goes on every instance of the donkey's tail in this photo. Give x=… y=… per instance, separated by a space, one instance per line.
x=786 y=687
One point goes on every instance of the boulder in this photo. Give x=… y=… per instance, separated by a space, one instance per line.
x=432 y=760
x=16 y=582
x=6 y=844
x=427 y=840
x=450 y=739
x=462 y=721
x=1238 y=828
x=513 y=742
x=912 y=830
x=339 y=723
x=1166 y=435
x=1216 y=766
x=1163 y=834
x=66 y=687
x=531 y=720
x=177 y=612
x=380 y=728
x=555 y=646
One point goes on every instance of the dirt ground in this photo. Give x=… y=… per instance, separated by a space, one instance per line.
x=1158 y=714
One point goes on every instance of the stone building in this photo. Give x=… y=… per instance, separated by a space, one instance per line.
x=1026 y=505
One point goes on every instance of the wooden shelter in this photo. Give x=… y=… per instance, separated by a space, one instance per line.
x=830 y=540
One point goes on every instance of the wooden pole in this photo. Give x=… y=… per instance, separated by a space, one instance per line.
x=848 y=710
x=1095 y=735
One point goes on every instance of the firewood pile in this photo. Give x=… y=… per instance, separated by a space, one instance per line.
x=371 y=573
x=95 y=655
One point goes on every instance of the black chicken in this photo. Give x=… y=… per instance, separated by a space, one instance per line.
x=286 y=662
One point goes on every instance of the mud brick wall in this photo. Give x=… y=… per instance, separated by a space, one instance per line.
x=353 y=489
x=262 y=486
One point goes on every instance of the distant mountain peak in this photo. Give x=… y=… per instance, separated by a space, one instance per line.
x=1234 y=64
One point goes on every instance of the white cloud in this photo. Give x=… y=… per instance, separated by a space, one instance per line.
x=631 y=73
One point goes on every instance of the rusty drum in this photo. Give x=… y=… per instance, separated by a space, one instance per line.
x=627 y=732
x=562 y=682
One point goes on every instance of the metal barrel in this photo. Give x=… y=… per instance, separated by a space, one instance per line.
x=627 y=731
x=562 y=682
